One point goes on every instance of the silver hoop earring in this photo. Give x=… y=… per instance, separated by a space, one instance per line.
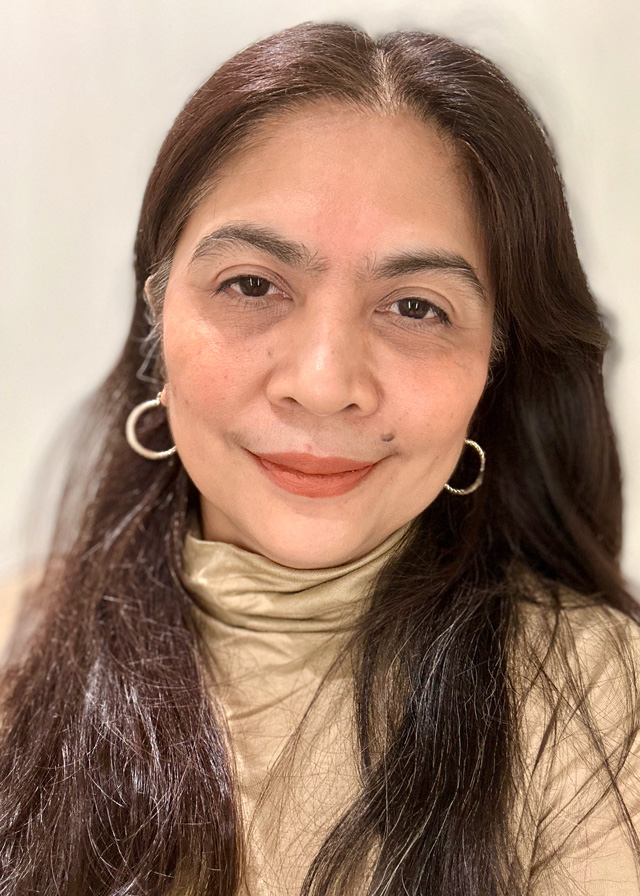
x=130 y=430
x=479 y=477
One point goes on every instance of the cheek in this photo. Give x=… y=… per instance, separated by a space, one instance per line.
x=202 y=372
x=434 y=402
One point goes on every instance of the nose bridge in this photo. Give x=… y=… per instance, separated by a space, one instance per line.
x=332 y=341
x=325 y=361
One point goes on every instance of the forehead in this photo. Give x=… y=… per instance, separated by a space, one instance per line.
x=346 y=182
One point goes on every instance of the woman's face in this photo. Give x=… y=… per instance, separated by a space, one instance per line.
x=327 y=300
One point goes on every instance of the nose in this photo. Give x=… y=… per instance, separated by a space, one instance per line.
x=323 y=363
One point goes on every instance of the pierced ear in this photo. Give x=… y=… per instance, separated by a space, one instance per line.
x=154 y=289
x=150 y=299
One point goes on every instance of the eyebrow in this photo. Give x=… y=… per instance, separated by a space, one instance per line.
x=296 y=254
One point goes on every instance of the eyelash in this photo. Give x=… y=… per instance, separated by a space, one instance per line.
x=438 y=312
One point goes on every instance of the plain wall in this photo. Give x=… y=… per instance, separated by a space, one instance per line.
x=90 y=89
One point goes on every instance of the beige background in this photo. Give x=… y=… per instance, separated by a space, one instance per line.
x=90 y=88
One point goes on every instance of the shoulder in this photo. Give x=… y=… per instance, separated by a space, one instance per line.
x=574 y=665
x=575 y=678
x=561 y=630
x=575 y=674
x=12 y=590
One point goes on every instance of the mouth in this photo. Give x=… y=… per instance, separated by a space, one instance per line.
x=313 y=477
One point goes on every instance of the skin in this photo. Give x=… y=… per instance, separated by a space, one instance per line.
x=329 y=361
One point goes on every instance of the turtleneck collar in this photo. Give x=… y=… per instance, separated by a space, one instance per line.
x=246 y=590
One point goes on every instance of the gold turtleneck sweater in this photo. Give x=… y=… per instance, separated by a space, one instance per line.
x=274 y=633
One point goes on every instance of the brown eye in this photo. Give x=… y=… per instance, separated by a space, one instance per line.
x=416 y=308
x=253 y=286
x=416 y=313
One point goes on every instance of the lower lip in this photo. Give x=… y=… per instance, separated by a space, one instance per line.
x=318 y=485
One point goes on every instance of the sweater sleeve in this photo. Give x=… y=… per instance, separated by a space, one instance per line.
x=588 y=805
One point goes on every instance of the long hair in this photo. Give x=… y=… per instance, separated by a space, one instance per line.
x=115 y=771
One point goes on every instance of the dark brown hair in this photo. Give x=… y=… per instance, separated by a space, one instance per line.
x=114 y=767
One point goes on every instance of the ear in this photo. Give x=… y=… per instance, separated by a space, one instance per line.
x=155 y=287
x=150 y=299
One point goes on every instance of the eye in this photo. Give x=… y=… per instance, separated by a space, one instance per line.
x=412 y=308
x=249 y=285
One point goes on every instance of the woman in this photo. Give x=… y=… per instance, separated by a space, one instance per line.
x=293 y=636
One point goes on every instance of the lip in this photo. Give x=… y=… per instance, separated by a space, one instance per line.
x=309 y=463
x=313 y=477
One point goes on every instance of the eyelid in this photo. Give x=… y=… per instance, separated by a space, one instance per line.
x=430 y=305
x=274 y=283
x=272 y=279
x=442 y=309
x=435 y=316
x=423 y=293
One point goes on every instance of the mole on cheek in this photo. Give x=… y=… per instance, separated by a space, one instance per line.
x=387 y=437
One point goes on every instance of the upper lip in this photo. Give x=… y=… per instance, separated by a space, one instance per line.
x=309 y=463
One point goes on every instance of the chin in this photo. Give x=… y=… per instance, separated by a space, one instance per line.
x=313 y=535
x=317 y=550
x=307 y=543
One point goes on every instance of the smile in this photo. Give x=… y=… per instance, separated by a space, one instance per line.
x=313 y=477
